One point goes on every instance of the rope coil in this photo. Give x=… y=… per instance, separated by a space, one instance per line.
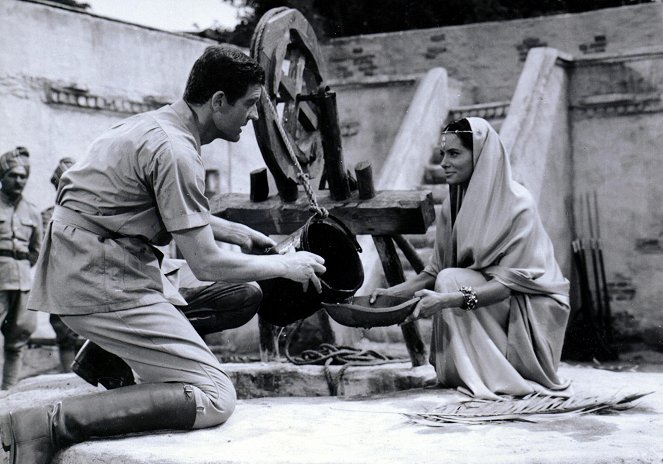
x=328 y=355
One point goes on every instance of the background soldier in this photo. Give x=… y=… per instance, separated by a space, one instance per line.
x=20 y=240
x=65 y=338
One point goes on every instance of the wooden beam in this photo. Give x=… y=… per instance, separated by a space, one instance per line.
x=388 y=213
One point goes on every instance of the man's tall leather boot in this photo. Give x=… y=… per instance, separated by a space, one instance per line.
x=97 y=366
x=11 y=368
x=33 y=436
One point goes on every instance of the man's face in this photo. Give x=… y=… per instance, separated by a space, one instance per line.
x=14 y=181
x=230 y=118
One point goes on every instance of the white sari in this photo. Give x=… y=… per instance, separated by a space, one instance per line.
x=512 y=347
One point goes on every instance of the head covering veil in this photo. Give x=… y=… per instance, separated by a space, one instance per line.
x=496 y=229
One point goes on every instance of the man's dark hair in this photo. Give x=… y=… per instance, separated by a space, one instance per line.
x=225 y=68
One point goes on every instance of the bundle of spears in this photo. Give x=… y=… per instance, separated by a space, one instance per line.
x=589 y=336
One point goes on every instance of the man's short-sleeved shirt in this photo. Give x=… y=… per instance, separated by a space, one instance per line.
x=20 y=235
x=142 y=179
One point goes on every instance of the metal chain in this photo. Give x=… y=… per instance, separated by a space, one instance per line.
x=302 y=177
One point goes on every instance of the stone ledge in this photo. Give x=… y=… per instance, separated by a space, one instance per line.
x=272 y=379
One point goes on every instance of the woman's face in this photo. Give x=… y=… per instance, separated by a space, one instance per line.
x=457 y=160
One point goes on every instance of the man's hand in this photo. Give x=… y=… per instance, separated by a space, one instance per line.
x=249 y=240
x=304 y=267
x=256 y=243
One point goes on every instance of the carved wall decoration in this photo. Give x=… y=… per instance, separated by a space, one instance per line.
x=489 y=111
x=618 y=104
x=82 y=98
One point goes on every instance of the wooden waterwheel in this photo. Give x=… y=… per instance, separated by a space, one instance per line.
x=295 y=104
x=299 y=138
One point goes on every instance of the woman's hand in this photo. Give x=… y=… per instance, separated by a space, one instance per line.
x=382 y=291
x=432 y=302
x=405 y=289
x=402 y=290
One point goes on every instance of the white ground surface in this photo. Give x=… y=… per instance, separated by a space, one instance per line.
x=319 y=430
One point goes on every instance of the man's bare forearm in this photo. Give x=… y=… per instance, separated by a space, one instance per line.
x=209 y=263
x=229 y=232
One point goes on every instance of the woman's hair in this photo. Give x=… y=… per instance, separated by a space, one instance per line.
x=461 y=128
x=225 y=68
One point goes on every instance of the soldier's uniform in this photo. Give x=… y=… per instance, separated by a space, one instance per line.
x=20 y=241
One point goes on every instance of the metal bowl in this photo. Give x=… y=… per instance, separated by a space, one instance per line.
x=358 y=312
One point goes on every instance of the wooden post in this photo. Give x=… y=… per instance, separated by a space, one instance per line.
x=331 y=145
x=393 y=271
x=364 y=173
x=259 y=185
x=268 y=343
x=326 y=331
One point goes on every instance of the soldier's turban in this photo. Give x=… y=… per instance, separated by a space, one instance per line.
x=19 y=156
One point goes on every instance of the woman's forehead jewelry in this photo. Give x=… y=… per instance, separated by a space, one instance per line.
x=444 y=139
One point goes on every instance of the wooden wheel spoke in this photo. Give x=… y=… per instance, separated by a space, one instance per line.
x=307 y=112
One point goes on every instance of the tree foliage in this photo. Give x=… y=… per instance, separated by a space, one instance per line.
x=73 y=4
x=341 y=18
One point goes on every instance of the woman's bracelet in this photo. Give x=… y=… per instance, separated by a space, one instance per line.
x=470 y=300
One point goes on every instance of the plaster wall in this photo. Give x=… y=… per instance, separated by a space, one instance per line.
x=370 y=118
x=371 y=113
x=488 y=57
x=137 y=67
x=617 y=118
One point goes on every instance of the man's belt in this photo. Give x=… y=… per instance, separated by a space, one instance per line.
x=76 y=219
x=19 y=255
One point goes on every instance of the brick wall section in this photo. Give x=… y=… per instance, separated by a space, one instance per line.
x=616 y=114
x=487 y=57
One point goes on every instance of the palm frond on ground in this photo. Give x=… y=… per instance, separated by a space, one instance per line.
x=531 y=408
